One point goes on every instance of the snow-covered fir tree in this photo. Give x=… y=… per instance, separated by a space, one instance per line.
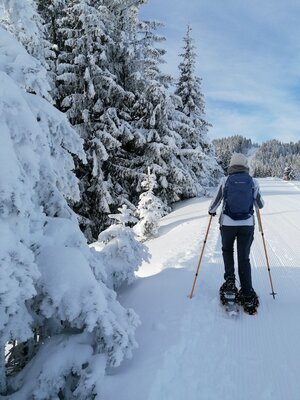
x=150 y=209
x=289 y=173
x=196 y=147
x=122 y=64
x=189 y=86
x=89 y=94
x=155 y=118
x=94 y=77
x=56 y=307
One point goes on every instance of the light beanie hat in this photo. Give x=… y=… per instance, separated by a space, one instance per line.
x=238 y=159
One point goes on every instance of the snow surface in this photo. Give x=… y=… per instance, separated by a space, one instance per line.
x=189 y=348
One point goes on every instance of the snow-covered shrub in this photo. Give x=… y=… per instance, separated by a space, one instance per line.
x=63 y=324
x=120 y=250
x=150 y=209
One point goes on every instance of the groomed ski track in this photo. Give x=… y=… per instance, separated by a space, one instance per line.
x=190 y=349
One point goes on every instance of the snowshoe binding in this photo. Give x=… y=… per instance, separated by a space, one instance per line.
x=250 y=302
x=228 y=296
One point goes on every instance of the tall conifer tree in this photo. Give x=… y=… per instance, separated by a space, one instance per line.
x=197 y=148
x=87 y=90
x=155 y=117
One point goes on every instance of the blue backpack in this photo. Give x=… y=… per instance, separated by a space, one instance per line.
x=239 y=196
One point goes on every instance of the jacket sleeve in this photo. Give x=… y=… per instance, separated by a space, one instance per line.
x=258 y=200
x=218 y=197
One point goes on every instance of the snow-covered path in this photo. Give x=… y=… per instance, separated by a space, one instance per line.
x=191 y=348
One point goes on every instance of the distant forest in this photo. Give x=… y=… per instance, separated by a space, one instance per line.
x=272 y=158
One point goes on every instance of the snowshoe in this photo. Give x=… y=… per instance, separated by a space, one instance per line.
x=228 y=291
x=249 y=303
x=228 y=296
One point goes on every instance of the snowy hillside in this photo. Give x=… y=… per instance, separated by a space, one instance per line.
x=191 y=348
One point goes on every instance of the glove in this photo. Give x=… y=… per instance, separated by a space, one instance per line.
x=213 y=214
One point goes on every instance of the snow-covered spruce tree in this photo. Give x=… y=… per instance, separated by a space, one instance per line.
x=63 y=324
x=89 y=94
x=296 y=166
x=161 y=150
x=124 y=63
x=94 y=75
x=122 y=253
x=289 y=173
x=19 y=174
x=150 y=209
x=155 y=118
x=196 y=148
x=188 y=89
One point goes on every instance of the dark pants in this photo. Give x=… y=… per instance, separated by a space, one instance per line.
x=244 y=236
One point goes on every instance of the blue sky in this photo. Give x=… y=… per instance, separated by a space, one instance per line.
x=248 y=58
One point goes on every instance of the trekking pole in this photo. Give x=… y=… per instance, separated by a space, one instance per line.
x=267 y=258
x=200 y=259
